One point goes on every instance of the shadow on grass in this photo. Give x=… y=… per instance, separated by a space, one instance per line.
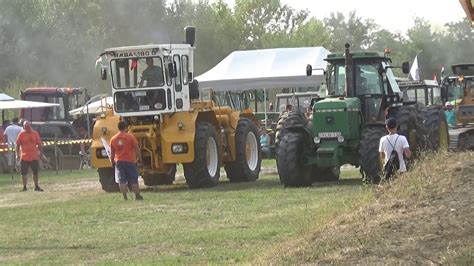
x=356 y=181
x=263 y=184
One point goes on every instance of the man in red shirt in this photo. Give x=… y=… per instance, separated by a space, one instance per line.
x=125 y=153
x=28 y=143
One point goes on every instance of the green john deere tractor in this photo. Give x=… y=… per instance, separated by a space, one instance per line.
x=347 y=125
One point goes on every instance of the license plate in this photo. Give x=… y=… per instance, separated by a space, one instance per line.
x=325 y=135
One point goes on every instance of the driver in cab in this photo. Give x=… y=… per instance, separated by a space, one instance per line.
x=153 y=75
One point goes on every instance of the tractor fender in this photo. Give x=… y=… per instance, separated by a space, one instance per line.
x=180 y=128
x=296 y=121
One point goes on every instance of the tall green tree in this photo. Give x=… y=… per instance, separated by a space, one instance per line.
x=354 y=30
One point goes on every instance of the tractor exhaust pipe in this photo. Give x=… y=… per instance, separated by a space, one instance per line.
x=349 y=74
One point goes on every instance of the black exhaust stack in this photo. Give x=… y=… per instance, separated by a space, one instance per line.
x=349 y=73
x=190 y=35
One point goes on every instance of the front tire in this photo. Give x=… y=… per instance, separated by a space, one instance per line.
x=204 y=171
x=369 y=159
x=246 y=166
x=291 y=152
x=107 y=179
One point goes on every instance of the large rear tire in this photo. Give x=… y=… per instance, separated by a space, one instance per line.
x=160 y=179
x=246 y=166
x=438 y=129
x=291 y=152
x=107 y=179
x=407 y=126
x=204 y=170
x=422 y=133
x=278 y=130
x=369 y=159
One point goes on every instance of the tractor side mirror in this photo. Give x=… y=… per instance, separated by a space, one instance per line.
x=173 y=72
x=103 y=73
x=406 y=67
x=309 y=70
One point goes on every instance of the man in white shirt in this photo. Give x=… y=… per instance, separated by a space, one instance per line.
x=391 y=141
x=11 y=133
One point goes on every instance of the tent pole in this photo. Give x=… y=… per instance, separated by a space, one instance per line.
x=265 y=105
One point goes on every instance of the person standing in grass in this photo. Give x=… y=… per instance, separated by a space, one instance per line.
x=397 y=144
x=125 y=154
x=28 y=152
x=11 y=133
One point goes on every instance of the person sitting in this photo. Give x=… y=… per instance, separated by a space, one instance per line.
x=153 y=75
x=265 y=143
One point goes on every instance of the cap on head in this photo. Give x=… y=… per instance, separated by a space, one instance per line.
x=391 y=123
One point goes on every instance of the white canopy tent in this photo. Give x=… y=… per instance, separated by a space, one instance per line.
x=97 y=107
x=7 y=102
x=266 y=69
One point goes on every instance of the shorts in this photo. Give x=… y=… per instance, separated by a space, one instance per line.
x=127 y=172
x=24 y=165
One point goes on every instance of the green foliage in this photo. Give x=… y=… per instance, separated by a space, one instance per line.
x=55 y=42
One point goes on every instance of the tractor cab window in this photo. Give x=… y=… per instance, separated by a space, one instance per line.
x=368 y=79
x=455 y=90
x=337 y=80
x=45 y=113
x=470 y=88
x=137 y=72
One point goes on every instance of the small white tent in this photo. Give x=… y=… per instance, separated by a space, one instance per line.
x=266 y=68
x=7 y=102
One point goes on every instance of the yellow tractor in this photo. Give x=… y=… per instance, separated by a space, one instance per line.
x=155 y=93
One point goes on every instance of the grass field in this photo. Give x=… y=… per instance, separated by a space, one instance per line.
x=73 y=221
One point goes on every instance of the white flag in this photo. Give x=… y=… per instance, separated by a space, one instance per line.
x=414 y=70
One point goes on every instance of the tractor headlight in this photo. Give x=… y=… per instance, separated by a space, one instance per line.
x=317 y=140
x=179 y=148
x=340 y=139
x=389 y=99
x=101 y=153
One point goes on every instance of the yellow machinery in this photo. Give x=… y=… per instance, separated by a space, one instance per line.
x=156 y=95
x=459 y=91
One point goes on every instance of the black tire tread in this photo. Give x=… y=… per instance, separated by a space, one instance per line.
x=291 y=173
x=196 y=172
x=369 y=154
x=238 y=170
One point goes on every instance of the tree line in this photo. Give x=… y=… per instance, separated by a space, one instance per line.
x=56 y=42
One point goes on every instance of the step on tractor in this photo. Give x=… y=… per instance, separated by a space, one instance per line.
x=155 y=93
x=427 y=96
x=458 y=91
x=347 y=125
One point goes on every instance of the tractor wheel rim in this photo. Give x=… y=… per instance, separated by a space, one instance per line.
x=251 y=151
x=212 y=159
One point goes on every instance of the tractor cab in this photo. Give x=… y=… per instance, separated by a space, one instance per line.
x=150 y=80
x=425 y=92
x=67 y=98
x=367 y=76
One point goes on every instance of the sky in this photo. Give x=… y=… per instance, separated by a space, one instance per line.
x=396 y=16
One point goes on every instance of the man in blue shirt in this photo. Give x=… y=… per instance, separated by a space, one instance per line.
x=265 y=143
x=450 y=114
